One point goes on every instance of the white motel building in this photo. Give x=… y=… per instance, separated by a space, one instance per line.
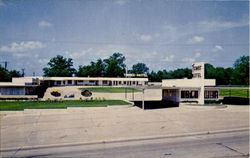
x=198 y=89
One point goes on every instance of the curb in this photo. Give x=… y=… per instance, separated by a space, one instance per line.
x=200 y=107
x=124 y=140
x=119 y=106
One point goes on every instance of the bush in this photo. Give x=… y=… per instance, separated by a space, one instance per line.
x=86 y=93
x=56 y=93
x=213 y=101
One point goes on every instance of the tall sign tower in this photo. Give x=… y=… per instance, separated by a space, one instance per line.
x=198 y=72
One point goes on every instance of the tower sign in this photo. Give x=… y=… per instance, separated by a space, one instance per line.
x=198 y=70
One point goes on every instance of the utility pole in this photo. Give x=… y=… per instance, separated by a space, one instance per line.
x=23 y=72
x=5 y=64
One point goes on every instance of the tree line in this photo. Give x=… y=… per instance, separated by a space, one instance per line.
x=236 y=75
x=6 y=75
x=114 y=66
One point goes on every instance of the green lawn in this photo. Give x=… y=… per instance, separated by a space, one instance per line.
x=21 y=105
x=235 y=93
x=111 y=89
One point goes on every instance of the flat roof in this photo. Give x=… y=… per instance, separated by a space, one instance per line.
x=94 y=78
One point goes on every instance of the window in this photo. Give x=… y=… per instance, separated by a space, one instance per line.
x=189 y=94
x=211 y=94
x=69 y=82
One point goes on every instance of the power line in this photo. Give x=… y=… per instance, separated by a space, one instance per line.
x=131 y=43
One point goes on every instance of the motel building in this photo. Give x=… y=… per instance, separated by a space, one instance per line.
x=24 y=87
x=195 y=90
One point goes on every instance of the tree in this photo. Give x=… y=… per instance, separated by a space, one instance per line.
x=83 y=71
x=95 y=69
x=219 y=75
x=59 y=67
x=228 y=76
x=182 y=73
x=139 y=68
x=209 y=71
x=241 y=71
x=114 y=65
x=6 y=76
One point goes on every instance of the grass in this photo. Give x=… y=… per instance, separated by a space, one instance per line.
x=111 y=89
x=21 y=105
x=235 y=93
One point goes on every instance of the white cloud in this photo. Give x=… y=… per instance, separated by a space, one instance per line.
x=146 y=37
x=197 y=55
x=189 y=60
x=218 y=25
x=121 y=2
x=44 y=24
x=196 y=39
x=192 y=59
x=169 y=58
x=22 y=46
x=20 y=55
x=2 y=4
x=43 y=61
x=80 y=54
x=217 y=48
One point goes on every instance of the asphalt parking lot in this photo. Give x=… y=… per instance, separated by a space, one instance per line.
x=31 y=128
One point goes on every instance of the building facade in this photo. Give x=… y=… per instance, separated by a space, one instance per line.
x=197 y=90
x=81 y=81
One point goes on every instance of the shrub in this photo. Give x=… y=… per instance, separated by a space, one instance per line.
x=86 y=93
x=56 y=93
x=213 y=101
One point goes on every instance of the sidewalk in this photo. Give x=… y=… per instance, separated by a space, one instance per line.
x=82 y=125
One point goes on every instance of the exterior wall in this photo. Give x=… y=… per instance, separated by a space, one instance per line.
x=182 y=83
x=86 y=81
x=209 y=82
x=26 y=80
x=149 y=94
x=22 y=80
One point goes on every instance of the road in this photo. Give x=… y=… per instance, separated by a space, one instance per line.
x=187 y=131
x=222 y=144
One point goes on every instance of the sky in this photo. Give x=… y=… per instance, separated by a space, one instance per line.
x=163 y=34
